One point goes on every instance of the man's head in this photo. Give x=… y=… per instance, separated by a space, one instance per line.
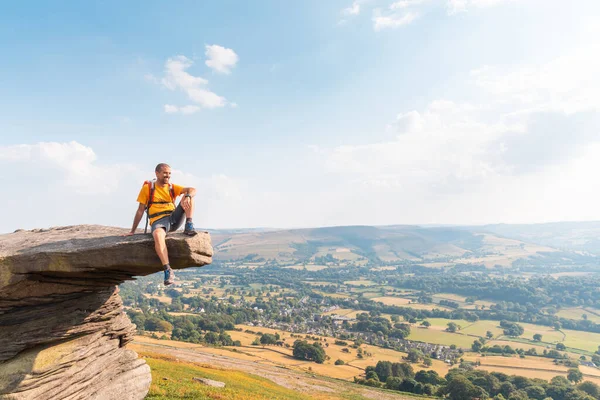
x=163 y=173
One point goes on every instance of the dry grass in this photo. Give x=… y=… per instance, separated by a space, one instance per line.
x=162 y=299
x=392 y=301
x=308 y=267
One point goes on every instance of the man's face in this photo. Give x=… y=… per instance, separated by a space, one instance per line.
x=163 y=176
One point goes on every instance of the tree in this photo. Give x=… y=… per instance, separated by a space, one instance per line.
x=452 y=327
x=574 y=375
x=414 y=355
x=460 y=388
x=384 y=370
x=339 y=362
x=538 y=338
x=489 y=334
x=535 y=392
x=561 y=346
x=393 y=383
x=310 y=352
x=427 y=362
x=268 y=338
x=590 y=388
x=426 y=324
x=476 y=346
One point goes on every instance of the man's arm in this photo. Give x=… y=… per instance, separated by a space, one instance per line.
x=189 y=190
x=138 y=217
x=187 y=193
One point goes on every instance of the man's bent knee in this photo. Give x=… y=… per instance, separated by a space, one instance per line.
x=159 y=234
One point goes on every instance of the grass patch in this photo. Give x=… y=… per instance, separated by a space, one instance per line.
x=440 y=337
x=179 y=383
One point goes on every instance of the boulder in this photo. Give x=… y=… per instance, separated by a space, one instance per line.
x=63 y=331
x=209 y=382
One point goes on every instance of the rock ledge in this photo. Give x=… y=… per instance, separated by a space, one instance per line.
x=63 y=330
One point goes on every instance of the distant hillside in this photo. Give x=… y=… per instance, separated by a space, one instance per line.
x=570 y=236
x=386 y=244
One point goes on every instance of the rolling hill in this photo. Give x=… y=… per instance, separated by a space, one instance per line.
x=431 y=246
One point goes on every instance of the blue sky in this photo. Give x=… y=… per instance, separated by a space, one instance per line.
x=294 y=114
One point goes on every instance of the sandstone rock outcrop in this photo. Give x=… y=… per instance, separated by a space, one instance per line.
x=63 y=330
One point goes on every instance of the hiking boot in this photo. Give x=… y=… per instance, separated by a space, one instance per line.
x=189 y=229
x=169 y=277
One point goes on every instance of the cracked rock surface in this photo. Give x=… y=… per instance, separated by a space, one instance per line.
x=63 y=330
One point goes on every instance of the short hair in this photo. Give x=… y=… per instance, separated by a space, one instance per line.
x=160 y=166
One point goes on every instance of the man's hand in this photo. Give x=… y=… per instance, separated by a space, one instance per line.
x=129 y=234
x=186 y=203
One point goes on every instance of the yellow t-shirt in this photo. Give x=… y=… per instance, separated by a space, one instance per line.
x=160 y=194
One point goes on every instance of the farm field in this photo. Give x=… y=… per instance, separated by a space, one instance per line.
x=360 y=282
x=442 y=323
x=308 y=267
x=406 y=302
x=480 y=328
x=588 y=341
x=392 y=301
x=440 y=337
x=576 y=313
x=333 y=295
x=162 y=299
x=347 y=312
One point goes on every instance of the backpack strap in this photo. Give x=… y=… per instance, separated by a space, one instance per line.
x=149 y=203
x=172 y=192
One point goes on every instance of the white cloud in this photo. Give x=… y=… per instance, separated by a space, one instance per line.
x=72 y=164
x=569 y=83
x=354 y=9
x=68 y=185
x=405 y=4
x=171 y=109
x=525 y=152
x=440 y=146
x=456 y=6
x=394 y=20
x=221 y=59
x=186 y=110
x=404 y=12
x=176 y=77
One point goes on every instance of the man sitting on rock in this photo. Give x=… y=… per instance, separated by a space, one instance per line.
x=158 y=199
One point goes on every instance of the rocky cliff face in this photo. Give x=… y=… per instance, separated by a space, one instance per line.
x=63 y=330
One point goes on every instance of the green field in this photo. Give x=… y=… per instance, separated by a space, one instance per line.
x=576 y=313
x=582 y=340
x=586 y=341
x=480 y=328
x=440 y=337
x=443 y=322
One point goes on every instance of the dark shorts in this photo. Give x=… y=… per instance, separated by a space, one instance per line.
x=171 y=222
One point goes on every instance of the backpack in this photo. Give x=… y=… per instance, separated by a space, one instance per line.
x=151 y=190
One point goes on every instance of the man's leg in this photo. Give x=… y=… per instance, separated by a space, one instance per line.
x=180 y=215
x=159 y=234
x=160 y=245
x=189 y=213
x=177 y=218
